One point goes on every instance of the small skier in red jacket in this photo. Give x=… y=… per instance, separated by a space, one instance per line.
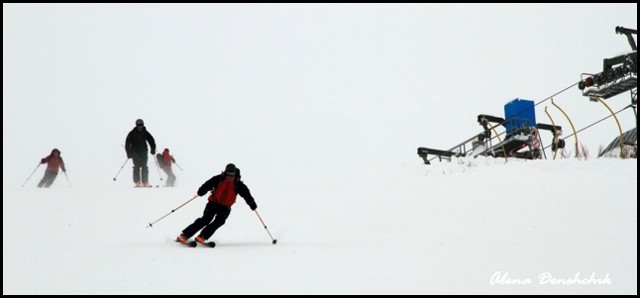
x=165 y=160
x=54 y=162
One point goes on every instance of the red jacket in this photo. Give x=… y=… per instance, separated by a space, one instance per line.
x=224 y=191
x=53 y=163
x=168 y=159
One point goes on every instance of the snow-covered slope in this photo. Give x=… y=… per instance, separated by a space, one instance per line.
x=386 y=229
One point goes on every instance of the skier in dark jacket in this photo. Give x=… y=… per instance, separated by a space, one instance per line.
x=136 y=147
x=224 y=189
x=53 y=161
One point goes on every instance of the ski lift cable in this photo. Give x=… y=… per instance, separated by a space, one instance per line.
x=594 y=123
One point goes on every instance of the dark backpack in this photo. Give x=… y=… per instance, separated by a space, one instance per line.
x=160 y=159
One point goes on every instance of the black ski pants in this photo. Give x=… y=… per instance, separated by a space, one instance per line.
x=140 y=167
x=47 y=180
x=171 y=177
x=212 y=210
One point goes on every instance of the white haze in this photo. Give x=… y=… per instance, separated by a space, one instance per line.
x=322 y=106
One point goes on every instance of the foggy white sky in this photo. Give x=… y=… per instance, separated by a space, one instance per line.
x=277 y=86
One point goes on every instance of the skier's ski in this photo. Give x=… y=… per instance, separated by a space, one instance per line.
x=207 y=243
x=189 y=243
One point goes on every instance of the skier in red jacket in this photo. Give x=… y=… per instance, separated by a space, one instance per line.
x=224 y=189
x=53 y=161
x=165 y=160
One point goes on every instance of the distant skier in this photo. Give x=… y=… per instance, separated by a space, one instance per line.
x=54 y=162
x=165 y=160
x=136 y=147
x=224 y=189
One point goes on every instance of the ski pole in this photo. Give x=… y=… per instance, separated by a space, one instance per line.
x=65 y=174
x=151 y=224
x=125 y=162
x=157 y=167
x=274 y=241
x=34 y=170
x=177 y=165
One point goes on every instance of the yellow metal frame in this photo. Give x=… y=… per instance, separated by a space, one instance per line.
x=575 y=135
x=555 y=132
x=617 y=122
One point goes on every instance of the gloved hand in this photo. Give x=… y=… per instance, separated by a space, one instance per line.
x=253 y=206
x=153 y=151
x=43 y=161
x=128 y=155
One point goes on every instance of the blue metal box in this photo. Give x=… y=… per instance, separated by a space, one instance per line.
x=519 y=113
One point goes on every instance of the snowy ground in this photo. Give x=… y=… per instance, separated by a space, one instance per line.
x=401 y=228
